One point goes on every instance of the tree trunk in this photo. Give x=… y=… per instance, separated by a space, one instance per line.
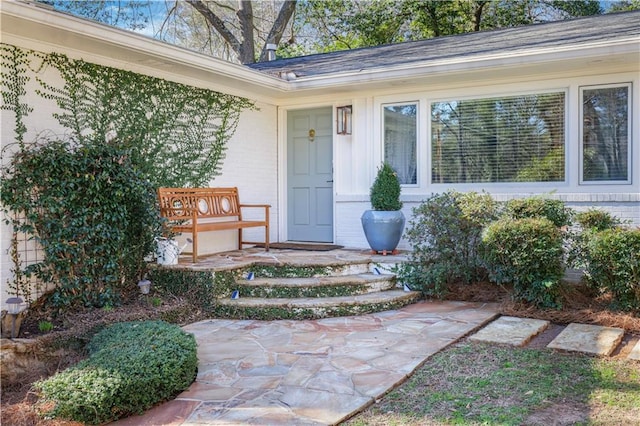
x=247 y=48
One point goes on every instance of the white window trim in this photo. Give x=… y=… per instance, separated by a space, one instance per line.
x=581 y=89
x=502 y=185
x=419 y=142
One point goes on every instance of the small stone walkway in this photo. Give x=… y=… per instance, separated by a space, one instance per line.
x=585 y=338
x=315 y=372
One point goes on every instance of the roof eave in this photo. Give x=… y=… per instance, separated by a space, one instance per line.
x=625 y=51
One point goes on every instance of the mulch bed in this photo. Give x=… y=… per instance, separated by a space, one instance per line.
x=580 y=304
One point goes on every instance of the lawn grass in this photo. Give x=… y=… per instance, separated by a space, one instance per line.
x=480 y=384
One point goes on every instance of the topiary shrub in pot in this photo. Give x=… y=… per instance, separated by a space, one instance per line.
x=384 y=224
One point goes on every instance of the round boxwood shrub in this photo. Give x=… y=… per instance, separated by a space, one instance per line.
x=527 y=253
x=536 y=207
x=613 y=264
x=131 y=367
x=597 y=220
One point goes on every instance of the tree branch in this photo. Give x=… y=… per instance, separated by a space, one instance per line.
x=279 y=26
x=218 y=24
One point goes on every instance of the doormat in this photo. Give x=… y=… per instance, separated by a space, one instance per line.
x=302 y=246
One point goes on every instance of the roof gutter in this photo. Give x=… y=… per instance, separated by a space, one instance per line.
x=627 y=48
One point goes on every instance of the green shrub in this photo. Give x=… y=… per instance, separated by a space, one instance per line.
x=528 y=253
x=591 y=222
x=93 y=213
x=385 y=191
x=613 y=264
x=132 y=366
x=596 y=220
x=532 y=207
x=445 y=234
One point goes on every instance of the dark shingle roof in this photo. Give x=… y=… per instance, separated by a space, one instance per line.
x=550 y=35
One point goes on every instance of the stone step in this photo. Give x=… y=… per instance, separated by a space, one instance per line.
x=635 y=352
x=510 y=331
x=316 y=307
x=588 y=338
x=340 y=285
x=310 y=264
x=582 y=338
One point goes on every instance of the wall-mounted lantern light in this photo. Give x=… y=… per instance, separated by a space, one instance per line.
x=343 y=117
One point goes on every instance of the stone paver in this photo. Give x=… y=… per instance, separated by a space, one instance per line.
x=635 y=352
x=587 y=338
x=510 y=331
x=309 y=372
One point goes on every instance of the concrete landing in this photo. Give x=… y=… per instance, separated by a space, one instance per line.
x=587 y=338
x=510 y=331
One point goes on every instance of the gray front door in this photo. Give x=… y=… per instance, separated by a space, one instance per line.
x=310 y=175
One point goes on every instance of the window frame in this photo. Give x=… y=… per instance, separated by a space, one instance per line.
x=505 y=185
x=418 y=139
x=580 y=165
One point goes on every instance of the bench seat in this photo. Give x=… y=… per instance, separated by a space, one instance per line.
x=195 y=210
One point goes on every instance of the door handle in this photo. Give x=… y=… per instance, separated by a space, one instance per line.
x=330 y=181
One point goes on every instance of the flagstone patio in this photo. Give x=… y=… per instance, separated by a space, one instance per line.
x=314 y=372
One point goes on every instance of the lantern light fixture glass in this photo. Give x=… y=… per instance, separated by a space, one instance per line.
x=344 y=119
x=145 y=286
x=15 y=305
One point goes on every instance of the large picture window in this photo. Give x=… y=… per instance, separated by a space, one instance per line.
x=400 y=140
x=605 y=133
x=505 y=139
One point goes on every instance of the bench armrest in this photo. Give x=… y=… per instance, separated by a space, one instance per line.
x=254 y=205
x=266 y=208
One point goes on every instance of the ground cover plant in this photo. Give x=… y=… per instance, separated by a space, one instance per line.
x=478 y=384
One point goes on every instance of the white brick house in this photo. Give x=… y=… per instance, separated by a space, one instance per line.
x=573 y=66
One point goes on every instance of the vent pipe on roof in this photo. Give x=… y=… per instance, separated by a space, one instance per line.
x=271 y=52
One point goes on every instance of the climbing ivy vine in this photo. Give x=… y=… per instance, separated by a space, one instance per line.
x=15 y=64
x=177 y=133
x=87 y=197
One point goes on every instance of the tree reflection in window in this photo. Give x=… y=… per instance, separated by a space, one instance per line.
x=400 y=140
x=507 y=139
x=605 y=134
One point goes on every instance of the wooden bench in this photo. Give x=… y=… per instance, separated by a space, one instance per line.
x=208 y=209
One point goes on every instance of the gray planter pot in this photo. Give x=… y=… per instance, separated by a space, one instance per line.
x=383 y=229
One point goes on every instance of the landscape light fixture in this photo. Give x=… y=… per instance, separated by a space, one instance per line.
x=15 y=306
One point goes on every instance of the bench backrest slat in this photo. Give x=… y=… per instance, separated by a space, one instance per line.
x=177 y=203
